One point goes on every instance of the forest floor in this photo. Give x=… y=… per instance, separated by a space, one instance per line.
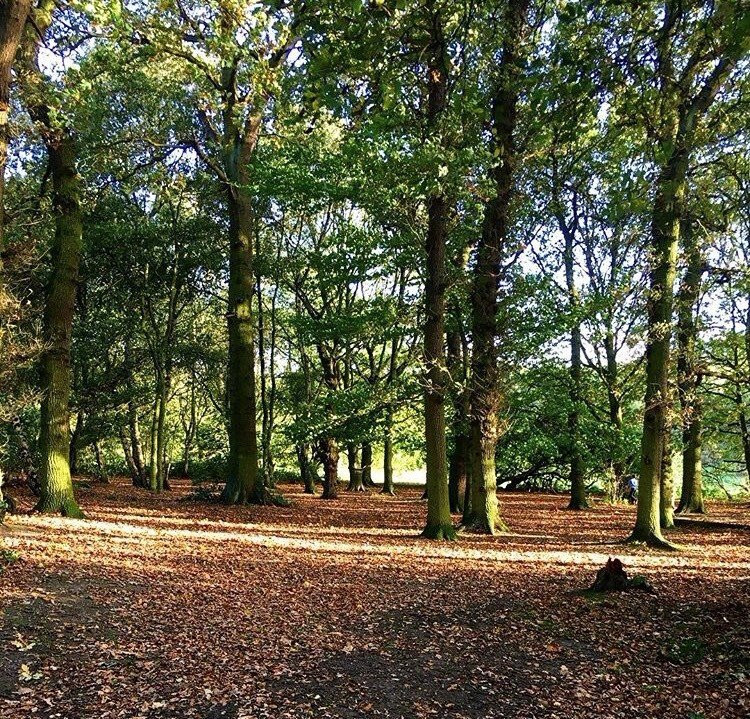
x=161 y=608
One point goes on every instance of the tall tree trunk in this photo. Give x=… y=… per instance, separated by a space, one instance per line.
x=265 y=435
x=683 y=114
x=243 y=443
x=439 y=524
x=388 y=485
x=577 y=480
x=161 y=439
x=139 y=461
x=191 y=427
x=664 y=240
x=56 y=484
x=486 y=391
x=614 y=404
x=242 y=483
x=13 y=14
x=689 y=376
x=744 y=432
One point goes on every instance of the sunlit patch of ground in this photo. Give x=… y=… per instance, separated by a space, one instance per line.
x=158 y=607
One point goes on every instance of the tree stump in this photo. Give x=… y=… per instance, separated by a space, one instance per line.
x=612 y=577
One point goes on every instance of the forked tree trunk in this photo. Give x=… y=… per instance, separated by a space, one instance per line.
x=684 y=114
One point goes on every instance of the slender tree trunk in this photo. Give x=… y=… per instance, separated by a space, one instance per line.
x=458 y=471
x=190 y=427
x=74 y=442
x=161 y=440
x=689 y=377
x=744 y=433
x=305 y=470
x=139 y=461
x=127 y=450
x=101 y=471
x=367 y=465
x=457 y=465
x=614 y=403
x=388 y=485
x=153 y=465
x=577 y=479
x=56 y=484
x=486 y=391
x=666 y=490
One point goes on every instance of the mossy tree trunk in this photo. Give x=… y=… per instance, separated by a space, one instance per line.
x=664 y=240
x=54 y=435
x=486 y=390
x=242 y=482
x=666 y=478
x=689 y=376
x=439 y=524
x=684 y=106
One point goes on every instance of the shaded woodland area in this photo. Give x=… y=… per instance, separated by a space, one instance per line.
x=342 y=342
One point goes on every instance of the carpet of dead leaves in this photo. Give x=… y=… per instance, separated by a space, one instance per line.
x=155 y=607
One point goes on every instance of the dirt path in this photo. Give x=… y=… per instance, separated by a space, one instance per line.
x=161 y=608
